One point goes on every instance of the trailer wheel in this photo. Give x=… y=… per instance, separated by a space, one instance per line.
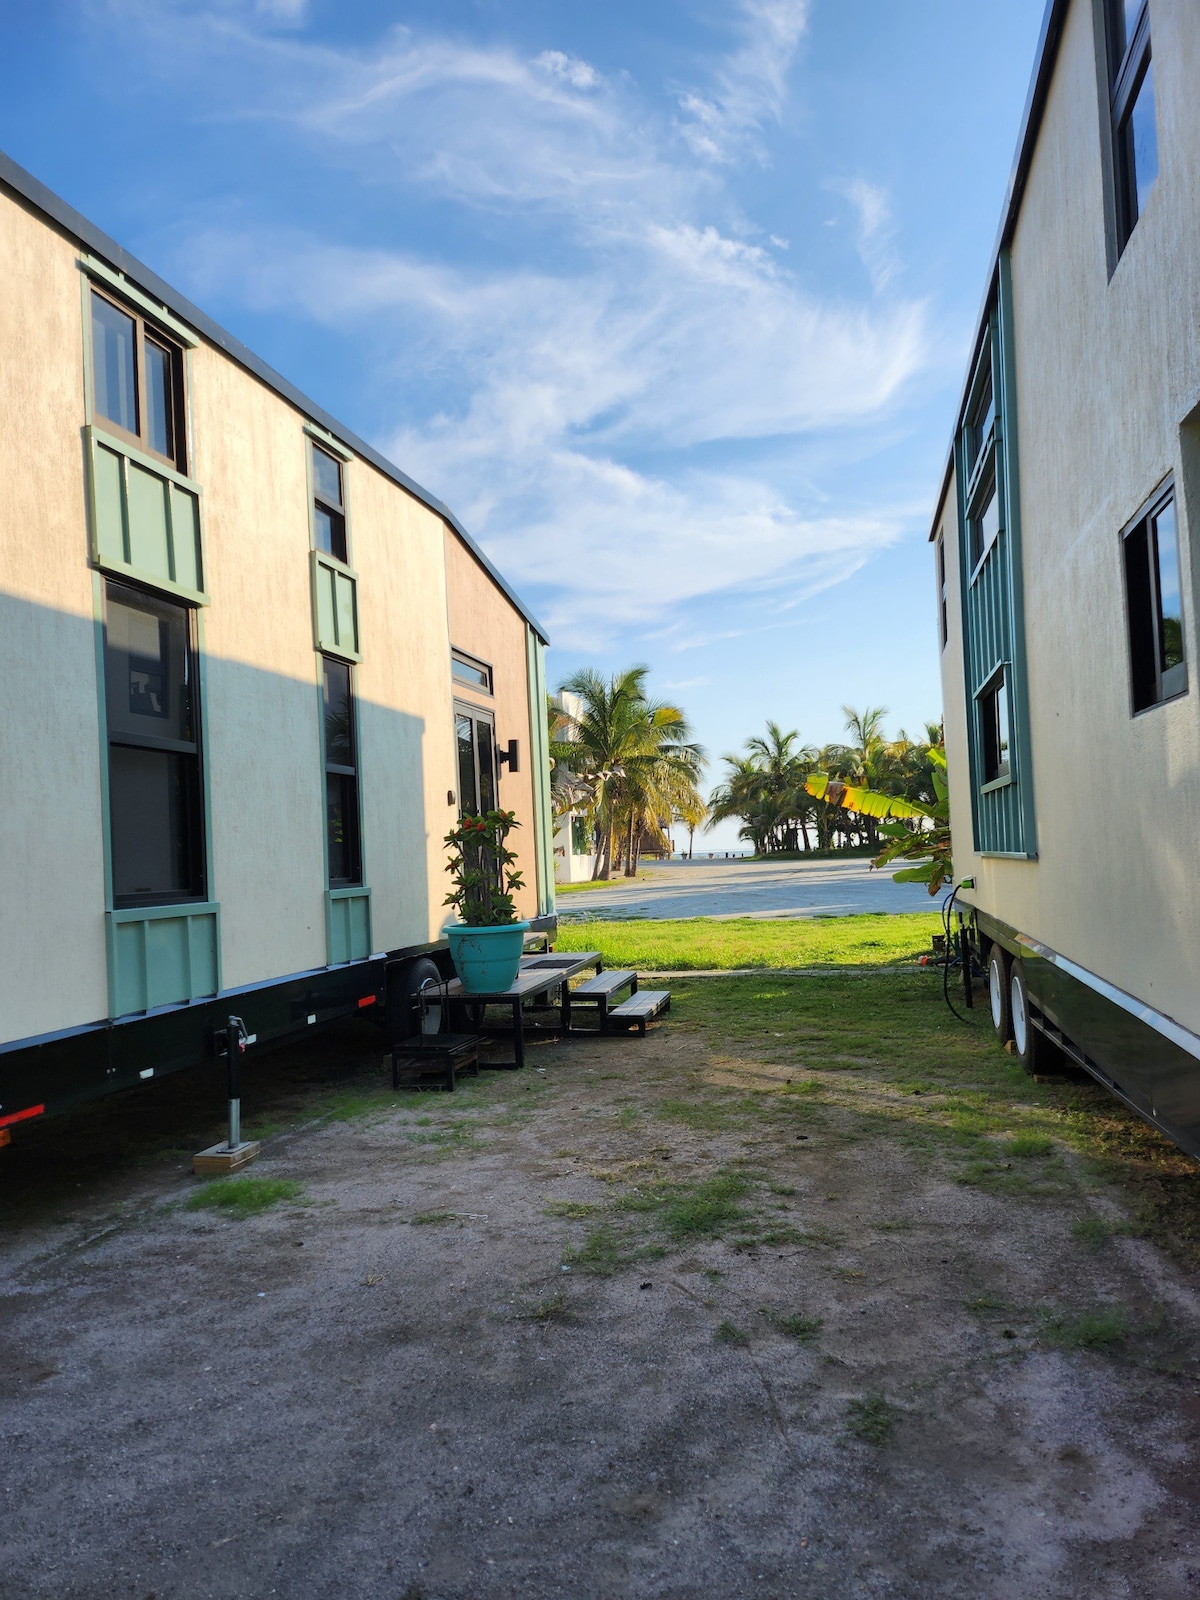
x=404 y=1015
x=1037 y=1054
x=998 y=993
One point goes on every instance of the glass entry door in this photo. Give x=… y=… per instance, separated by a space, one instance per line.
x=475 y=733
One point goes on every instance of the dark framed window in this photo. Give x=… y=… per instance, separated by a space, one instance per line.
x=137 y=380
x=1154 y=606
x=1134 y=127
x=329 y=509
x=156 y=815
x=475 y=739
x=467 y=669
x=995 y=729
x=979 y=459
x=340 y=734
x=943 y=606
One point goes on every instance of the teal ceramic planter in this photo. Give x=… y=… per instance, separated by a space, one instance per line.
x=486 y=959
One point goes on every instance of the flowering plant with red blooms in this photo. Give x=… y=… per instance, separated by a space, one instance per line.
x=481 y=870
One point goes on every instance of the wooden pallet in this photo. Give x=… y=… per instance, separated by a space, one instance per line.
x=433 y=1060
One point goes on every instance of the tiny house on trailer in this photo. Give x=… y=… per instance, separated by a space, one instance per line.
x=1067 y=550
x=250 y=673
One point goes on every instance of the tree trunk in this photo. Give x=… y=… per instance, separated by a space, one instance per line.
x=630 y=858
x=691 y=841
x=606 y=844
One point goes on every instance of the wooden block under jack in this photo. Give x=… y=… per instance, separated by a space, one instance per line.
x=219 y=1158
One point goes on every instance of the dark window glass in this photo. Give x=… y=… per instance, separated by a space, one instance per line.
x=1135 y=134
x=1158 y=670
x=114 y=362
x=984 y=523
x=155 y=807
x=329 y=517
x=983 y=415
x=993 y=709
x=467 y=670
x=945 y=615
x=468 y=794
x=155 y=811
x=327 y=477
x=580 y=840
x=484 y=743
x=160 y=399
x=341 y=775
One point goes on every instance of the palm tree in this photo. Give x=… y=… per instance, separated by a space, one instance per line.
x=765 y=788
x=636 y=755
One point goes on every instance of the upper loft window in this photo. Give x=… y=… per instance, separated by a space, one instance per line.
x=942 y=590
x=329 y=510
x=466 y=669
x=137 y=380
x=979 y=459
x=1135 y=133
x=1158 y=670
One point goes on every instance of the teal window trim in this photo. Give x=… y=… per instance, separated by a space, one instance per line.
x=98 y=439
x=539 y=755
x=92 y=267
x=202 y=976
x=328 y=442
x=327 y=570
x=992 y=588
x=341 y=947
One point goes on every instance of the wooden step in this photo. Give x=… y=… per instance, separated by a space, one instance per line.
x=642 y=1008
x=603 y=986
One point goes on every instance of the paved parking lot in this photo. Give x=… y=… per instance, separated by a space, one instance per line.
x=752 y=889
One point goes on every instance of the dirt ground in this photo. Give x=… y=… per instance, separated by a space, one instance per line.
x=656 y=1318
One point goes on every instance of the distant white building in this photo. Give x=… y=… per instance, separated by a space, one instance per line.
x=574 y=839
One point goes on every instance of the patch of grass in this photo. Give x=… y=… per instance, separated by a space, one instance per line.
x=605 y=1250
x=803 y=1086
x=728 y=1333
x=876 y=939
x=1093 y=1233
x=244 y=1197
x=871 y=1419
x=569 y=1208
x=1098 y=1329
x=704 y=1116
x=983 y=1303
x=803 y=1329
x=704 y=1210
x=1027 y=1145
x=553 y=1307
x=432 y=1219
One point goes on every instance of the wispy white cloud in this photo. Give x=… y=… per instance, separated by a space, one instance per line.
x=748 y=89
x=569 y=407
x=874 y=234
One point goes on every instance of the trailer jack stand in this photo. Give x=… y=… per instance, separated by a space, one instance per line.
x=236 y=1152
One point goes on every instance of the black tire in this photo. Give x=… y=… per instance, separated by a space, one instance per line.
x=999 y=1003
x=1040 y=1056
x=405 y=1014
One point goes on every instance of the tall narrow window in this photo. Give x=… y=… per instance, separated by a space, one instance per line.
x=1158 y=670
x=942 y=591
x=137 y=380
x=155 y=811
x=341 y=775
x=979 y=459
x=476 y=743
x=329 y=511
x=1135 y=132
x=995 y=734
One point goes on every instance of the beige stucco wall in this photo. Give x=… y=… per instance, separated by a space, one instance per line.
x=484 y=624
x=262 y=752
x=1107 y=372
x=52 y=960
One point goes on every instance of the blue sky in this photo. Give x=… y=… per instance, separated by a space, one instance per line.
x=671 y=303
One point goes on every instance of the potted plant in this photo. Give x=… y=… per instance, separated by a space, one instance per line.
x=487 y=941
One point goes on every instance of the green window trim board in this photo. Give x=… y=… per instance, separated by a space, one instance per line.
x=992 y=599
x=539 y=753
x=347 y=925
x=145 y=519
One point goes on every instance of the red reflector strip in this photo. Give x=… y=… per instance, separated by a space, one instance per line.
x=21 y=1116
x=367 y=1000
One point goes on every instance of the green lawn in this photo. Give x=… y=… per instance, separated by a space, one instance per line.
x=699 y=942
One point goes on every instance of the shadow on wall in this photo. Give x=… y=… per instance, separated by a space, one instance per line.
x=264 y=762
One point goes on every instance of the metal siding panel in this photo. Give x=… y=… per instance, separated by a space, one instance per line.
x=108 y=505
x=185 y=538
